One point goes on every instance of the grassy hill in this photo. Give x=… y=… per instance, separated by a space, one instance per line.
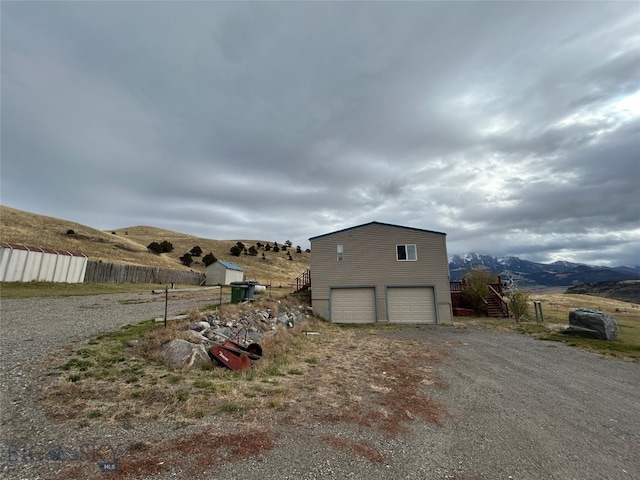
x=129 y=245
x=626 y=291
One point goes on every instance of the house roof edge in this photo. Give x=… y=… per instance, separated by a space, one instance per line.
x=376 y=223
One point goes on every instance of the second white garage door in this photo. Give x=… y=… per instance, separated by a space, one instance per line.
x=353 y=305
x=411 y=305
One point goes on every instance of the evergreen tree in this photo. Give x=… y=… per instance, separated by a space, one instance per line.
x=166 y=246
x=186 y=259
x=208 y=259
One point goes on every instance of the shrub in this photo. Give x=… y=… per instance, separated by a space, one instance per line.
x=166 y=246
x=162 y=247
x=196 y=251
x=520 y=304
x=155 y=248
x=476 y=288
x=208 y=259
x=235 y=251
x=253 y=251
x=186 y=259
x=70 y=232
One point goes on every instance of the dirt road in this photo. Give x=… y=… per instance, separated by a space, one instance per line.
x=519 y=408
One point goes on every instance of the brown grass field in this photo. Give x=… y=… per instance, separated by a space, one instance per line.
x=555 y=310
x=129 y=245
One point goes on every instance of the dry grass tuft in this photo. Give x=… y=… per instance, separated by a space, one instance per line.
x=371 y=382
x=193 y=454
x=363 y=449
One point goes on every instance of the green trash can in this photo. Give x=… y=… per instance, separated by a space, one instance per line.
x=238 y=291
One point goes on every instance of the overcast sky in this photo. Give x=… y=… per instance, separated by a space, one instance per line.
x=513 y=127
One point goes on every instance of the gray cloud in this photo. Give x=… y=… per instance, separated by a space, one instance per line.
x=513 y=127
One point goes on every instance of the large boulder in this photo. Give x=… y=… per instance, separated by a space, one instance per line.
x=592 y=323
x=195 y=337
x=179 y=353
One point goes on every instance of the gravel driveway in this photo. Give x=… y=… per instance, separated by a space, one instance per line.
x=519 y=408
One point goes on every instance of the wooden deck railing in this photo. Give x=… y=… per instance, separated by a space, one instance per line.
x=497 y=286
x=459 y=286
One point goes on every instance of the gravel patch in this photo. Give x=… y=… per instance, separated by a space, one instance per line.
x=518 y=408
x=33 y=332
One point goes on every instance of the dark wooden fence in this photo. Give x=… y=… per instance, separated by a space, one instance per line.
x=102 y=272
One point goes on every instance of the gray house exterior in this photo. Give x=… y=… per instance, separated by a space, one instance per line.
x=381 y=273
x=223 y=273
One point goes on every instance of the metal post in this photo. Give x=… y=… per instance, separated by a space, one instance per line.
x=537 y=305
x=166 y=304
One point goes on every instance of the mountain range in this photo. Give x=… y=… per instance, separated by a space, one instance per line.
x=532 y=274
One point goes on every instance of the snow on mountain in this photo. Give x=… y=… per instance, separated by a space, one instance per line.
x=559 y=273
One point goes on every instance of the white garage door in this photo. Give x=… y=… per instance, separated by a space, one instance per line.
x=353 y=305
x=411 y=305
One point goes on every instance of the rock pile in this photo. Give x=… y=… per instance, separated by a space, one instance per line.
x=244 y=323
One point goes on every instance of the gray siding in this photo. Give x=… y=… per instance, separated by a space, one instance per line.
x=370 y=259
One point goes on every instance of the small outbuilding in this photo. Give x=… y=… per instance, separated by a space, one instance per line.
x=223 y=273
x=381 y=273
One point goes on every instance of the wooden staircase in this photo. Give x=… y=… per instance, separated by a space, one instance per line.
x=303 y=281
x=496 y=306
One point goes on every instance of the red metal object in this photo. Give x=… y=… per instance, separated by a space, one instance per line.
x=234 y=354
x=232 y=358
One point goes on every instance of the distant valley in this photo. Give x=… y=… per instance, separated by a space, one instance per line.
x=532 y=274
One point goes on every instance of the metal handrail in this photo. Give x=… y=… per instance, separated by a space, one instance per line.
x=303 y=281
